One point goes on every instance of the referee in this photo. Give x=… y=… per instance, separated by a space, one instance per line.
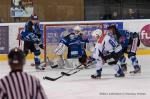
x=18 y=84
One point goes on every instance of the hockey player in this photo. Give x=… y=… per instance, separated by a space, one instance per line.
x=107 y=50
x=74 y=42
x=31 y=37
x=129 y=41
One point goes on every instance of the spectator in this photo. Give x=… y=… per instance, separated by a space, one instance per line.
x=131 y=14
x=115 y=15
x=18 y=84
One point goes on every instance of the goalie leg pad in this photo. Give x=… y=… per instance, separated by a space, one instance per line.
x=72 y=63
x=60 y=49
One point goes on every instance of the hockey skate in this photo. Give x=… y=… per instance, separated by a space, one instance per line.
x=40 y=66
x=97 y=75
x=83 y=67
x=119 y=75
x=124 y=67
x=136 y=70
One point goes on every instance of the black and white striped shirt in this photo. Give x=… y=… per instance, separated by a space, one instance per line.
x=20 y=85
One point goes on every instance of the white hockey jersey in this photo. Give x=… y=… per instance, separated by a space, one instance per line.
x=106 y=45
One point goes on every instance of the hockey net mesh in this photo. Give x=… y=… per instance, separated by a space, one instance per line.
x=54 y=32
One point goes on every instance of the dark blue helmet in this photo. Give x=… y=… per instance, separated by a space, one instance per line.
x=34 y=17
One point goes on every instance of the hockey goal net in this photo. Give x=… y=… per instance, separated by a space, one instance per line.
x=54 y=32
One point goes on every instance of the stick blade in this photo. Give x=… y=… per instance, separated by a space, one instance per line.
x=66 y=74
x=48 y=78
x=54 y=66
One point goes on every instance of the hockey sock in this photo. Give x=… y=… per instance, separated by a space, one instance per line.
x=37 y=60
x=134 y=60
x=99 y=64
x=122 y=60
x=118 y=69
x=98 y=72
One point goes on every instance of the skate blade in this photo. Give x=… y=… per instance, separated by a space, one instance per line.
x=40 y=70
x=119 y=76
x=133 y=72
x=96 y=78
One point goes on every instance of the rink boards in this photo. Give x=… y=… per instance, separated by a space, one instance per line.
x=9 y=32
x=3 y=57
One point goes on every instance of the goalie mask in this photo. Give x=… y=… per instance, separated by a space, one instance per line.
x=16 y=57
x=77 y=30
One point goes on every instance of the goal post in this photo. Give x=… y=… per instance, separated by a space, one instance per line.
x=20 y=42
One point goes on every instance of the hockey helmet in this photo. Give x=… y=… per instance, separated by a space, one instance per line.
x=97 y=32
x=34 y=17
x=112 y=26
x=77 y=28
x=16 y=57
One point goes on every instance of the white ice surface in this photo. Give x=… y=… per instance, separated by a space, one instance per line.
x=81 y=86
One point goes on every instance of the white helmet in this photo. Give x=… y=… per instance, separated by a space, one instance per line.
x=97 y=32
x=77 y=28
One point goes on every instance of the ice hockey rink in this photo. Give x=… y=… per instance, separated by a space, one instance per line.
x=81 y=86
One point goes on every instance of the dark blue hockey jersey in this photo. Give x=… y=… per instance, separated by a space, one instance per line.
x=75 y=44
x=31 y=32
x=126 y=38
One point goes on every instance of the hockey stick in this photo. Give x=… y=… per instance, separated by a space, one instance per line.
x=67 y=74
x=54 y=79
x=79 y=69
x=50 y=63
x=51 y=79
x=43 y=64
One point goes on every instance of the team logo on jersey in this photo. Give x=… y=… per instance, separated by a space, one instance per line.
x=145 y=35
